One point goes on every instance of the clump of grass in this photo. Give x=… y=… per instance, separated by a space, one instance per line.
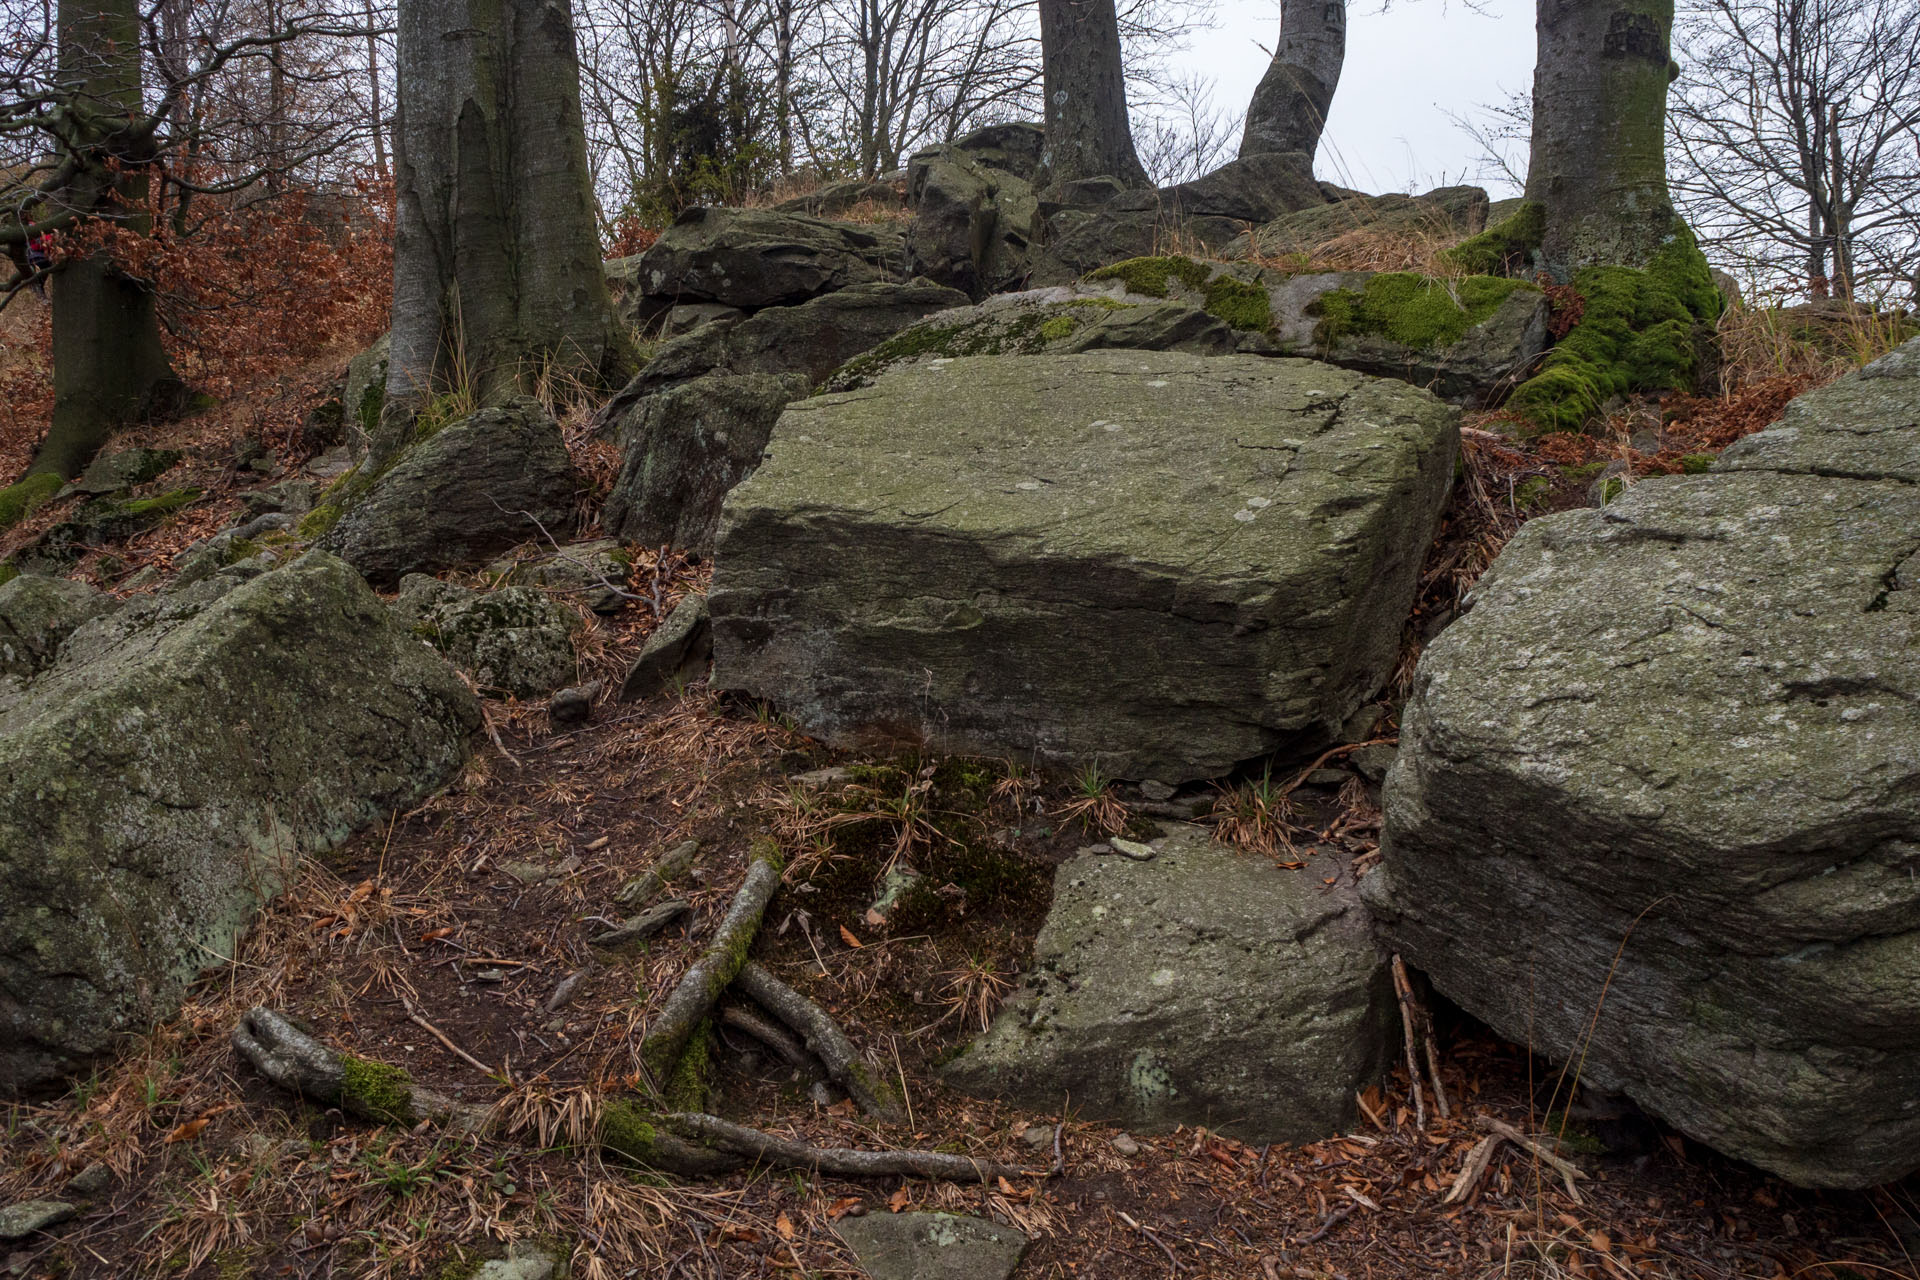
x=1256 y=816
x=1094 y=806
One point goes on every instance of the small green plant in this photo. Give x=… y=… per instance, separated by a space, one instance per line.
x=1094 y=806
x=1256 y=816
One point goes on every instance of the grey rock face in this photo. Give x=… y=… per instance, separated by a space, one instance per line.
x=974 y=222
x=36 y=614
x=590 y=572
x=932 y=1246
x=1159 y=563
x=1203 y=986
x=1668 y=769
x=1065 y=319
x=115 y=473
x=679 y=649
x=838 y=198
x=759 y=258
x=18 y=1221
x=470 y=491
x=683 y=448
x=513 y=641
x=811 y=339
x=364 y=392
x=158 y=782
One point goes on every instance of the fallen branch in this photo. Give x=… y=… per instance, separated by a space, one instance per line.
x=823 y=1036
x=688 y=1144
x=419 y=1020
x=693 y=999
x=673 y=864
x=1482 y=1154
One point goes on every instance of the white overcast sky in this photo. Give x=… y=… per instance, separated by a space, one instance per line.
x=1406 y=68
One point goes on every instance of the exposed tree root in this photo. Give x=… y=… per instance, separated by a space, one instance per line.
x=644 y=925
x=686 y=1143
x=823 y=1036
x=692 y=1001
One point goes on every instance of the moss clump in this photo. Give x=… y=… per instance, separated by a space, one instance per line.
x=1412 y=310
x=18 y=501
x=1698 y=463
x=1243 y=306
x=1154 y=277
x=1503 y=248
x=8 y=572
x=1058 y=328
x=1637 y=333
x=686 y=1088
x=160 y=505
x=376 y=1090
x=1532 y=492
x=628 y=1130
x=318 y=521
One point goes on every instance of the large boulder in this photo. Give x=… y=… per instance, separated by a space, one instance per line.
x=755 y=258
x=1468 y=340
x=1656 y=809
x=812 y=338
x=1063 y=319
x=1158 y=563
x=159 y=782
x=37 y=614
x=466 y=492
x=1448 y=213
x=976 y=216
x=514 y=641
x=683 y=448
x=1202 y=986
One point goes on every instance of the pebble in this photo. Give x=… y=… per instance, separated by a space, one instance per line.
x=1126 y=1146
x=18 y=1221
x=1038 y=1136
x=91 y=1181
x=1133 y=849
x=1158 y=791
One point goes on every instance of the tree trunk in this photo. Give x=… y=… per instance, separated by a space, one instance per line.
x=1088 y=133
x=496 y=265
x=1289 y=109
x=107 y=358
x=1599 y=161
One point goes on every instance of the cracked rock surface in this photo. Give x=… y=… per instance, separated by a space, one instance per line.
x=1668 y=769
x=1158 y=563
x=160 y=778
x=1206 y=986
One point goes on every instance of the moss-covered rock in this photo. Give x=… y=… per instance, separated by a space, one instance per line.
x=1412 y=310
x=1639 y=331
x=514 y=641
x=21 y=499
x=1507 y=247
x=37 y=614
x=159 y=781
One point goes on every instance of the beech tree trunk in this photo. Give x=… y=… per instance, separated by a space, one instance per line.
x=1289 y=109
x=108 y=363
x=1599 y=160
x=496 y=261
x=1088 y=133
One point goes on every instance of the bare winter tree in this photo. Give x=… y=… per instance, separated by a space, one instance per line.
x=1289 y=108
x=1089 y=133
x=496 y=273
x=109 y=113
x=1598 y=158
x=1796 y=130
x=1181 y=134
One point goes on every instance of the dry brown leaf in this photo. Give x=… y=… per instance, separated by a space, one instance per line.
x=842 y=1207
x=846 y=936
x=900 y=1201
x=188 y=1131
x=784 y=1225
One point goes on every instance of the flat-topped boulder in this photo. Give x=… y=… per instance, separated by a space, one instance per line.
x=160 y=780
x=1157 y=563
x=1201 y=986
x=754 y=258
x=1656 y=808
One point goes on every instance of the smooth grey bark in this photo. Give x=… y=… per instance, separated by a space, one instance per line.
x=1088 y=133
x=108 y=363
x=1598 y=160
x=1289 y=108
x=496 y=262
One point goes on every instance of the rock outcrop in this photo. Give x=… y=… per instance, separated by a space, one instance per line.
x=1656 y=809
x=976 y=217
x=752 y=258
x=1204 y=986
x=160 y=779
x=468 y=491
x=513 y=641
x=1451 y=213
x=1158 y=563
x=36 y=615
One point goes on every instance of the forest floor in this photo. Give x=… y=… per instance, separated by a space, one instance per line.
x=437 y=942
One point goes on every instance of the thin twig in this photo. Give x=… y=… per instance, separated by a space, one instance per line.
x=417 y=1019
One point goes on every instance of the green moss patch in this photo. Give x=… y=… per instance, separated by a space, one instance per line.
x=1412 y=310
x=1505 y=247
x=1154 y=277
x=1638 y=332
x=1244 y=306
x=18 y=501
x=376 y=1090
